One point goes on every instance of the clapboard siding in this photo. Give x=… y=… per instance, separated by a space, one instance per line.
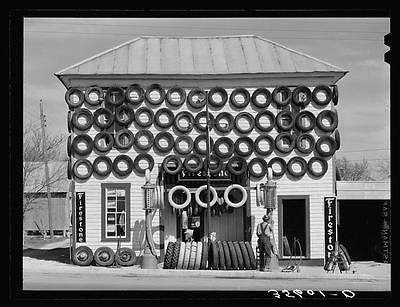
x=315 y=189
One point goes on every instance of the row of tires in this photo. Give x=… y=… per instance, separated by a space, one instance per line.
x=217 y=97
x=103 y=256
x=215 y=255
x=83 y=119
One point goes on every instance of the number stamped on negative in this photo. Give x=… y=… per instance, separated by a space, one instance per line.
x=300 y=294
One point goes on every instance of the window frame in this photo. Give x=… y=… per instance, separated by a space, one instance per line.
x=121 y=186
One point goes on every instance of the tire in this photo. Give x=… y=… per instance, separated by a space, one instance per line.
x=328 y=95
x=241 y=162
x=201 y=94
x=82 y=138
x=250 y=146
x=116 y=101
x=229 y=118
x=252 y=257
x=229 y=202
x=221 y=256
x=296 y=96
x=103 y=112
x=196 y=144
x=89 y=99
x=104 y=256
x=285 y=114
x=280 y=161
x=312 y=172
x=188 y=247
x=233 y=100
x=335 y=95
x=204 y=255
x=168 y=255
x=200 y=202
x=181 y=256
x=78 y=93
x=102 y=159
x=82 y=256
x=263 y=92
x=108 y=140
x=69 y=119
x=176 y=159
x=121 y=172
x=134 y=94
x=150 y=140
x=303 y=165
x=334 y=120
x=173 y=203
x=188 y=140
x=69 y=146
x=168 y=113
x=299 y=142
x=245 y=255
x=82 y=113
x=223 y=94
x=164 y=135
x=323 y=140
x=190 y=119
x=140 y=157
x=258 y=122
x=287 y=136
x=150 y=117
x=239 y=255
x=227 y=256
x=234 y=259
x=263 y=166
x=345 y=252
x=160 y=90
x=217 y=161
x=124 y=139
x=182 y=96
x=337 y=139
x=124 y=115
x=126 y=256
x=250 y=119
x=287 y=96
x=230 y=145
x=214 y=257
x=197 y=167
x=197 y=120
x=69 y=169
x=198 y=256
x=258 y=149
x=88 y=166
x=193 y=253
x=299 y=121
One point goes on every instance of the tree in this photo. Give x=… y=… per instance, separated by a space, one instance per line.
x=356 y=171
x=383 y=170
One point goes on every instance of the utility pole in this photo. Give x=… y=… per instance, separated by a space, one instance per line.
x=46 y=169
x=208 y=149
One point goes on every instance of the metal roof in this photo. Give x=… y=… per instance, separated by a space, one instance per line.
x=160 y=55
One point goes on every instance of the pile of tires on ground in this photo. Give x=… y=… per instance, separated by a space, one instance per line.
x=103 y=256
x=214 y=255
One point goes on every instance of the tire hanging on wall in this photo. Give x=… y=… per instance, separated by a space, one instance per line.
x=161 y=92
x=115 y=100
x=281 y=162
x=229 y=144
x=69 y=146
x=103 y=138
x=325 y=139
x=98 y=118
x=157 y=118
x=222 y=93
x=196 y=144
x=74 y=92
x=262 y=91
x=270 y=141
x=333 y=120
x=119 y=171
x=286 y=93
x=124 y=139
x=241 y=189
x=87 y=164
x=177 y=188
x=201 y=124
x=300 y=141
x=299 y=121
x=234 y=162
x=263 y=167
x=224 y=128
x=337 y=139
x=98 y=161
x=281 y=116
x=124 y=115
x=164 y=135
x=285 y=136
x=200 y=102
x=69 y=119
x=104 y=256
x=335 y=95
x=214 y=159
x=250 y=120
x=96 y=100
x=126 y=256
x=328 y=95
x=244 y=140
x=150 y=117
x=183 y=138
x=298 y=93
x=82 y=255
x=213 y=199
x=69 y=169
x=242 y=92
x=85 y=113
x=182 y=96
x=190 y=119
x=193 y=157
x=312 y=171
x=134 y=94
x=259 y=124
x=303 y=167
x=141 y=157
x=172 y=158
x=149 y=137
x=79 y=139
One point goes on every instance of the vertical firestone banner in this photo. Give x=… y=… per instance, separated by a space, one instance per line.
x=330 y=225
x=80 y=222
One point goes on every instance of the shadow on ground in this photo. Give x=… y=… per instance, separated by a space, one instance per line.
x=58 y=254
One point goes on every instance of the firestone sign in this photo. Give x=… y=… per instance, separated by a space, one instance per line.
x=330 y=225
x=80 y=223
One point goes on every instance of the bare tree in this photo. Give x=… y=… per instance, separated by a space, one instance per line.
x=356 y=171
x=383 y=170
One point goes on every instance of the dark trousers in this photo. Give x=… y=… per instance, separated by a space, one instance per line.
x=265 y=248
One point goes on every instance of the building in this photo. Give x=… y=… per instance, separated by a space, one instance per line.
x=236 y=68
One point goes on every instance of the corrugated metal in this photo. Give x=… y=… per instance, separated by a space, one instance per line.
x=199 y=55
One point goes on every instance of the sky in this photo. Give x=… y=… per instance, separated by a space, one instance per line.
x=354 y=44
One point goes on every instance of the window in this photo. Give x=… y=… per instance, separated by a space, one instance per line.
x=115 y=211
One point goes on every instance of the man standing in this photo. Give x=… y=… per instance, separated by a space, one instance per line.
x=266 y=241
